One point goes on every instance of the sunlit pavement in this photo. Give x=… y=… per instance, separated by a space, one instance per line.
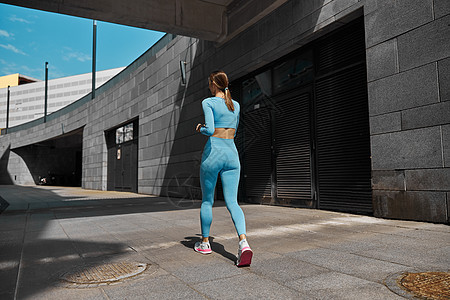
x=48 y=233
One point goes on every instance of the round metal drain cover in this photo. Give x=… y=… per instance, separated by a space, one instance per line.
x=426 y=285
x=104 y=273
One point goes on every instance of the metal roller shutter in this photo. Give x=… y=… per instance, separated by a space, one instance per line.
x=256 y=150
x=341 y=49
x=342 y=121
x=293 y=150
x=343 y=143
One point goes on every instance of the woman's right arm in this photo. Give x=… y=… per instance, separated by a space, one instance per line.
x=208 y=129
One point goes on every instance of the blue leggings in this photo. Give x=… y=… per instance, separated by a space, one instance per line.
x=220 y=156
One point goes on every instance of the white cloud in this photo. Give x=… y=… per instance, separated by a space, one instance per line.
x=70 y=54
x=54 y=72
x=12 y=48
x=8 y=67
x=14 y=18
x=33 y=72
x=5 y=33
x=12 y=68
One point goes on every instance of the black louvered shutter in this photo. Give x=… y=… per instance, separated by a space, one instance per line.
x=256 y=153
x=293 y=150
x=342 y=123
x=341 y=49
x=343 y=144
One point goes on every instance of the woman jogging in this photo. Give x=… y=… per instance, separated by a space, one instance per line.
x=220 y=156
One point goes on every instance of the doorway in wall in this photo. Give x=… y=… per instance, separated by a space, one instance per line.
x=122 y=144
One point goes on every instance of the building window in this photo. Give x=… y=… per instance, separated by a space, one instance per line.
x=257 y=88
x=293 y=72
x=124 y=133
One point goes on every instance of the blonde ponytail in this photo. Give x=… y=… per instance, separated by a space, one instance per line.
x=228 y=100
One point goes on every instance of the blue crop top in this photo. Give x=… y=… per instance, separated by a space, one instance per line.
x=217 y=115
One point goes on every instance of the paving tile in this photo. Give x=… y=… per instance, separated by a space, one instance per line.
x=206 y=272
x=333 y=285
x=11 y=236
x=348 y=263
x=163 y=287
x=425 y=259
x=12 y=222
x=8 y=277
x=247 y=286
x=285 y=269
x=6 y=295
x=61 y=293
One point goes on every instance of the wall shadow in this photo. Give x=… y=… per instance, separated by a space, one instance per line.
x=44 y=199
x=45 y=261
x=5 y=177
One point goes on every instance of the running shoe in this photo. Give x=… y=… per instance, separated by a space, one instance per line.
x=203 y=248
x=244 y=254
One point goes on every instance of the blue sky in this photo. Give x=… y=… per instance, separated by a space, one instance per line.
x=29 y=38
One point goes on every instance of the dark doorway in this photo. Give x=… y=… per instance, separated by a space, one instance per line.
x=122 y=143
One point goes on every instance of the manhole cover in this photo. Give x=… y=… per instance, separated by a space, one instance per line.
x=427 y=285
x=104 y=273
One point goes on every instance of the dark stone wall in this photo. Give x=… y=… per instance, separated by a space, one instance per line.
x=408 y=52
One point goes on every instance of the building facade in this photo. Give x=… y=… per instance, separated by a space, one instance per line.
x=345 y=106
x=27 y=100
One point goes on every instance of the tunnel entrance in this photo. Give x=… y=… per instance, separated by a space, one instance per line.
x=57 y=161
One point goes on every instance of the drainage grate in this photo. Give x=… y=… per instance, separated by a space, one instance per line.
x=427 y=285
x=105 y=273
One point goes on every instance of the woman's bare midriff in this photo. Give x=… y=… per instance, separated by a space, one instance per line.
x=224 y=133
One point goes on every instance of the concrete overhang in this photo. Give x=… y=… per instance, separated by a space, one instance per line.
x=213 y=20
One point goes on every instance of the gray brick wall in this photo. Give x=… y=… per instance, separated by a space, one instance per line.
x=408 y=65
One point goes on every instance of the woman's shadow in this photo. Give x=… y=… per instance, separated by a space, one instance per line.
x=216 y=247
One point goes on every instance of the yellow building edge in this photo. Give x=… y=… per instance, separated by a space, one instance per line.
x=15 y=80
x=11 y=80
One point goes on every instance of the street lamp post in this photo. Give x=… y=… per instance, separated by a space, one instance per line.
x=94 y=42
x=7 y=110
x=46 y=94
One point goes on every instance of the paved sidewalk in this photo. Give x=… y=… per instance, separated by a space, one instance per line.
x=47 y=233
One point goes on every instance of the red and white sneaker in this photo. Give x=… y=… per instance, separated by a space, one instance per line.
x=245 y=254
x=203 y=248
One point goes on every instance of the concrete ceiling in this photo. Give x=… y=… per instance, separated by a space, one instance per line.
x=214 y=20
